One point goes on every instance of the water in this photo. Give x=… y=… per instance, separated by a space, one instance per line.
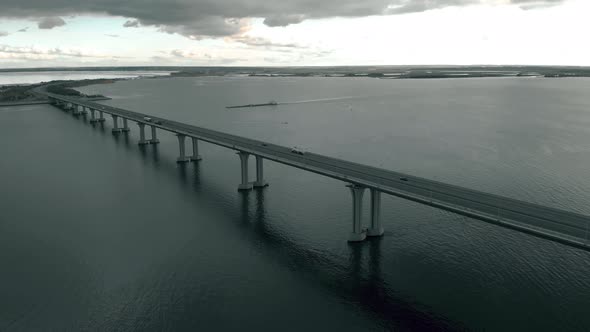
x=12 y=78
x=98 y=234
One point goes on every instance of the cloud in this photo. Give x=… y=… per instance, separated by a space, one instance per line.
x=32 y=53
x=221 y=18
x=186 y=57
x=283 y=20
x=209 y=27
x=261 y=42
x=51 y=22
x=532 y=4
x=3 y=33
x=114 y=36
x=131 y=24
x=23 y=29
x=182 y=54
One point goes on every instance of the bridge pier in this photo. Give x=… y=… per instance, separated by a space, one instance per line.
x=116 y=128
x=376 y=229
x=125 y=126
x=358 y=234
x=101 y=116
x=259 y=183
x=93 y=118
x=83 y=111
x=142 y=140
x=245 y=185
x=182 y=158
x=195 y=156
x=154 y=139
x=76 y=109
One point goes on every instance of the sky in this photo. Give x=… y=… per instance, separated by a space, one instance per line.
x=42 y=33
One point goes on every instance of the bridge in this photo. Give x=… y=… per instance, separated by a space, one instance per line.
x=557 y=225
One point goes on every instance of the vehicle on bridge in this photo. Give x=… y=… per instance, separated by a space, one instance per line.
x=297 y=151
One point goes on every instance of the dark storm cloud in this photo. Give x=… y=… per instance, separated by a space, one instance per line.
x=51 y=22
x=198 y=18
x=283 y=20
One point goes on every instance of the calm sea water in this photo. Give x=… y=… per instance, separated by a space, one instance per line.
x=99 y=234
x=11 y=78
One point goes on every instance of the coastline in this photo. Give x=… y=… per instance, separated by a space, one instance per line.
x=23 y=94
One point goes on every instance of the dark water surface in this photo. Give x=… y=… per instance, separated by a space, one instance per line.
x=98 y=234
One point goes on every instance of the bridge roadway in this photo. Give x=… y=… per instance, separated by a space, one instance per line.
x=554 y=224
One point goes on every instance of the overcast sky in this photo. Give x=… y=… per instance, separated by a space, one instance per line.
x=39 y=33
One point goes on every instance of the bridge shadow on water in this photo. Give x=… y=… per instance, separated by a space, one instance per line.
x=357 y=280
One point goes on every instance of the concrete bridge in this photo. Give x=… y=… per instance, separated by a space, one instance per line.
x=565 y=227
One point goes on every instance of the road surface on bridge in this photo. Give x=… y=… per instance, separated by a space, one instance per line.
x=550 y=223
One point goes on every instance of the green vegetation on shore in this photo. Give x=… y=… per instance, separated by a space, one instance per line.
x=65 y=88
x=26 y=93
x=18 y=93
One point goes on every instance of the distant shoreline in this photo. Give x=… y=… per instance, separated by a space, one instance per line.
x=13 y=95
x=384 y=72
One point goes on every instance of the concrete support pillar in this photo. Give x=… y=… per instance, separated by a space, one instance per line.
x=195 y=156
x=182 y=158
x=358 y=234
x=260 y=173
x=83 y=111
x=101 y=116
x=245 y=185
x=116 y=128
x=142 y=140
x=125 y=125
x=154 y=139
x=76 y=109
x=376 y=229
x=93 y=118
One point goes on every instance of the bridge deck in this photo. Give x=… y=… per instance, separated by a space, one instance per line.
x=550 y=223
